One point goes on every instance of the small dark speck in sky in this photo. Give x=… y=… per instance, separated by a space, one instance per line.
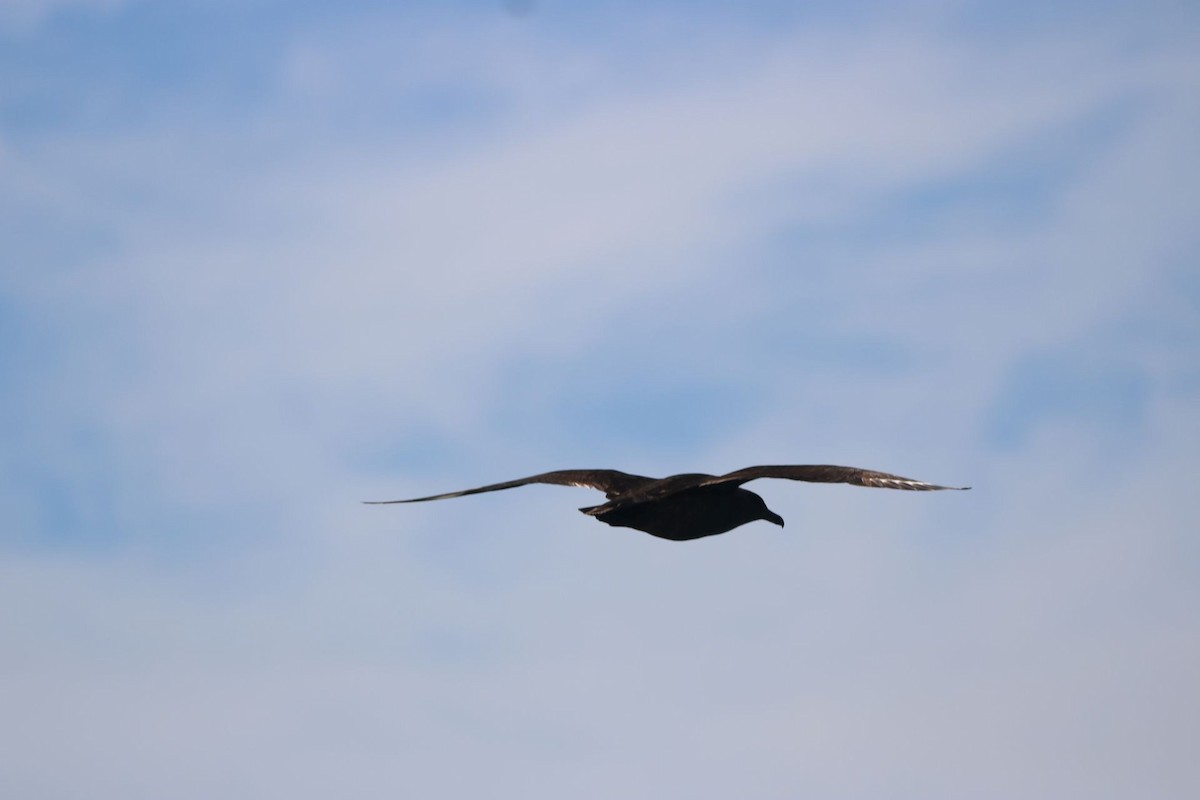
x=520 y=8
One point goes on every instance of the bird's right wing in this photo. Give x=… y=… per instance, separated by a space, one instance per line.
x=609 y=481
x=828 y=473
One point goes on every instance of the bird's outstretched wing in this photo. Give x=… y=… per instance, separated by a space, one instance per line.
x=609 y=481
x=826 y=473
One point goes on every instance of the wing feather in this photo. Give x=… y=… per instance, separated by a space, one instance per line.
x=828 y=473
x=610 y=481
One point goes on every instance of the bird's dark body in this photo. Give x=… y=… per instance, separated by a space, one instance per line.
x=692 y=505
x=689 y=514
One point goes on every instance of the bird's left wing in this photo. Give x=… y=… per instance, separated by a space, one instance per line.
x=610 y=481
x=827 y=473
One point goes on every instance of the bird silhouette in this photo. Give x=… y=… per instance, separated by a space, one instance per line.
x=692 y=505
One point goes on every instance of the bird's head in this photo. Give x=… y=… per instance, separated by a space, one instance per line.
x=751 y=506
x=762 y=512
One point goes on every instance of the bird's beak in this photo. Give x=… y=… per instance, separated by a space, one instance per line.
x=778 y=520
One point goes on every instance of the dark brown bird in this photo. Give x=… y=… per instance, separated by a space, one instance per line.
x=692 y=505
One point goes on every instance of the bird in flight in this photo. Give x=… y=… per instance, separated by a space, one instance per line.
x=692 y=505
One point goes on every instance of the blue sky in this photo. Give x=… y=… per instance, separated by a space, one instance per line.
x=264 y=260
